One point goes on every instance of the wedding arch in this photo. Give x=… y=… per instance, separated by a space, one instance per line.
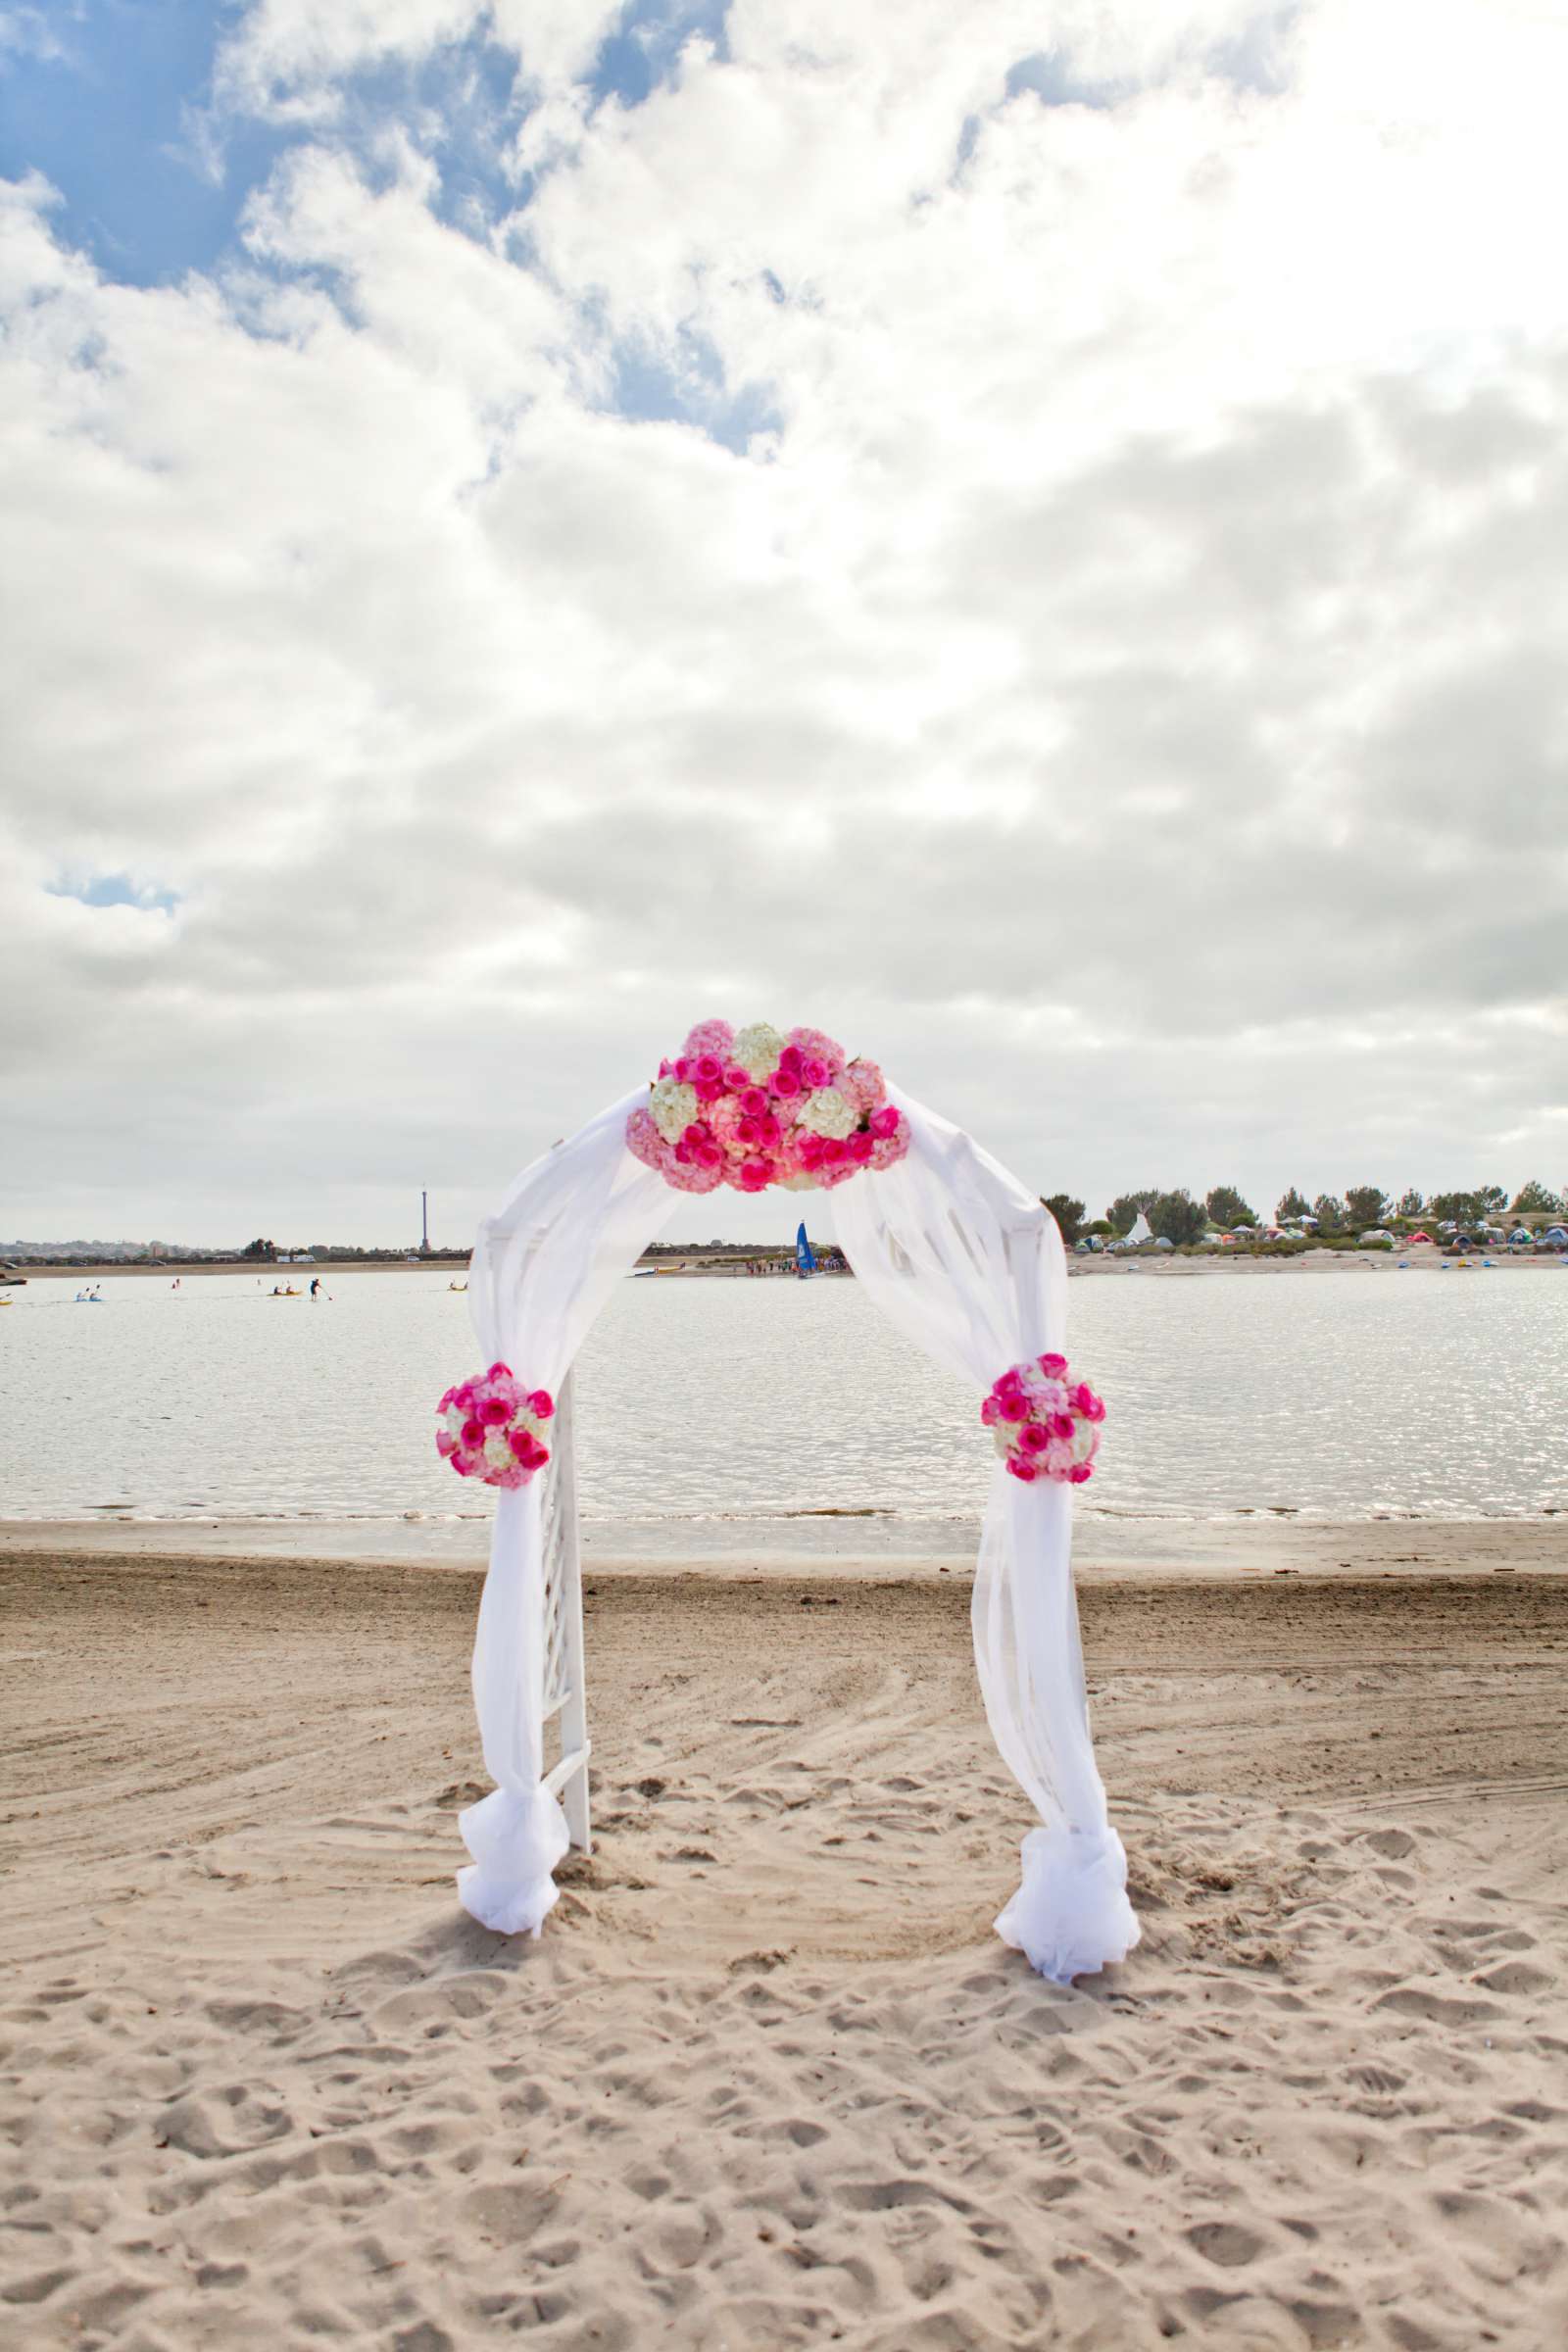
x=963 y=1257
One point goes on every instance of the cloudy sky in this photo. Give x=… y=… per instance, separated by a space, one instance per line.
x=1028 y=536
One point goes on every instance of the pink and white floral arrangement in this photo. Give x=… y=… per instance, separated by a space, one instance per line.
x=1045 y=1423
x=754 y=1107
x=492 y=1428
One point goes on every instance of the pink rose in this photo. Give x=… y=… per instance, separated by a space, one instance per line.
x=1013 y=1406
x=860 y=1147
x=683 y=1070
x=749 y=1131
x=1033 y=1439
x=736 y=1079
x=474 y=1434
x=991 y=1412
x=445 y=1443
x=1079 y=1472
x=494 y=1413
x=1055 y=1366
x=1020 y=1469
x=784 y=1082
x=816 y=1073
x=884 y=1122
x=541 y=1403
x=1091 y=1407
x=754 y=1100
x=710 y=1070
x=791 y=1060
x=755 y=1175
x=1060 y=1426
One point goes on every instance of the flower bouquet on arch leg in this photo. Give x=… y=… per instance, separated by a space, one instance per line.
x=492 y=1428
x=753 y=1107
x=1045 y=1423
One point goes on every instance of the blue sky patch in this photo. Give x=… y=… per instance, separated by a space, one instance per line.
x=689 y=387
x=117 y=890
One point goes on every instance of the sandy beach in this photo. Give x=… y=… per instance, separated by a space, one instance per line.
x=767 y=2080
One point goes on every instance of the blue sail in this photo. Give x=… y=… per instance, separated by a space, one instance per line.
x=805 y=1263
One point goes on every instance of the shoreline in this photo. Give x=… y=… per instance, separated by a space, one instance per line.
x=1242 y=1548
x=1205 y=1265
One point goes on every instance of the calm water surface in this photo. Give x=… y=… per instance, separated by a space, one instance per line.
x=702 y=1403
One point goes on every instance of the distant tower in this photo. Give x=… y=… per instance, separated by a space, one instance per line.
x=425 y=1224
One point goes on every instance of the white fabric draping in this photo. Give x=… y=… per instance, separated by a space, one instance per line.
x=542 y=1269
x=967 y=1262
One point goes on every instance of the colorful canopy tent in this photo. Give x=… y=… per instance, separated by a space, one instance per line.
x=967 y=1261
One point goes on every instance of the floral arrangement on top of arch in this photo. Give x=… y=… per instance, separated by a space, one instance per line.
x=757 y=1106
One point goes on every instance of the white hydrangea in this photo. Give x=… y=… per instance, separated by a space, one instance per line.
x=829 y=1112
x=757 y=1048
x=673 y=1104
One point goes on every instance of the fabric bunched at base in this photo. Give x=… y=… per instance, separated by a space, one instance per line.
x=1070 y=1916
x=492 y=1428
x=1045 y=1423
x=755 y=1107
x=516 y=1838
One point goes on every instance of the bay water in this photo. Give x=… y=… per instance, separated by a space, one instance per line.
x=713 y=1413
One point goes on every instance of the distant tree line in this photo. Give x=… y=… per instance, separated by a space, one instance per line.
x=1175 y=1216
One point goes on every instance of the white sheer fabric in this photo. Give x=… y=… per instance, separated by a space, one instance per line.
x=542 y=1271
x=966 y=1261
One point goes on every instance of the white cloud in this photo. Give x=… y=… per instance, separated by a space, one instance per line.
x=1122 y=688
